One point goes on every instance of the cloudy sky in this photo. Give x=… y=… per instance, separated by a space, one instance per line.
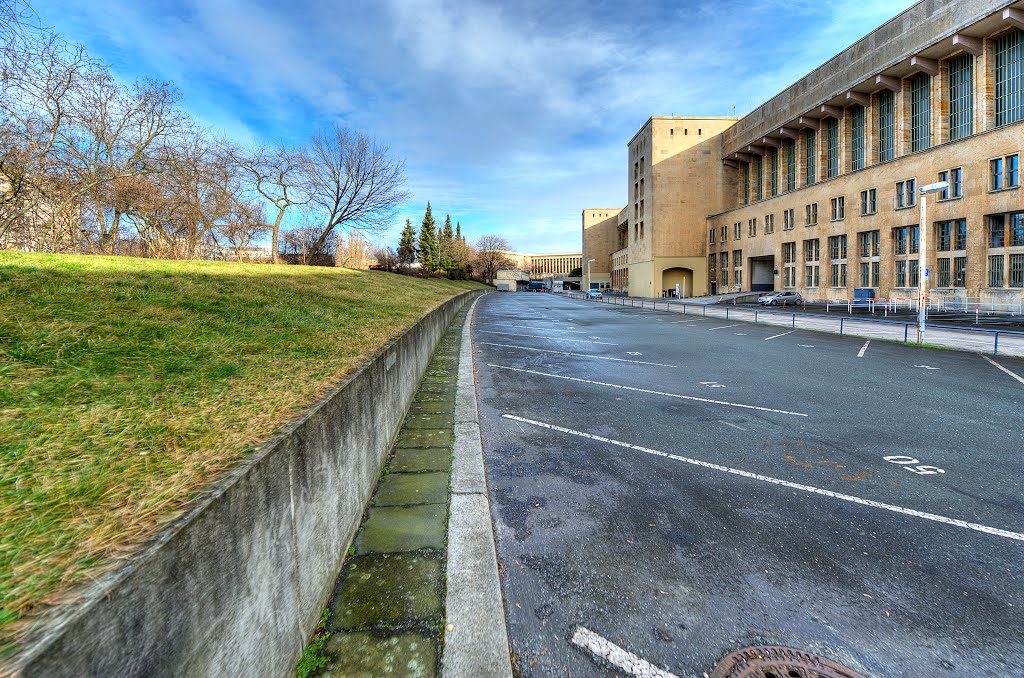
x=512 y=116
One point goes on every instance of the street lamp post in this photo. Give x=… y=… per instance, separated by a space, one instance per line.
x=588 y=272
x=922 y=255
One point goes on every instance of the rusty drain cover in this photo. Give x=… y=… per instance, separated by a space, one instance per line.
x=770 y=661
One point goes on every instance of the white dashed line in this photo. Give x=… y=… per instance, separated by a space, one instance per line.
x=580 y=355
x=712 y=329
x=676 y=322
x=644 y=390
x=530 y=327
x=863 y=349
x=779 y=335
x=616 y=656
x=540 y=336
x=1017 y=536
x=727 y=424
x=1012 y=374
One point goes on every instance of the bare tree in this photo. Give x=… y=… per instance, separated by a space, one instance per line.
x=280 y=175
x=386 y=258
x=354 y=181
x=491 y=256
x=245 y=222
x=351 y=252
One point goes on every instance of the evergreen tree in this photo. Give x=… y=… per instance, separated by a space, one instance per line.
x=446 y=245
x=407 y=245
x=428 y=241
x=458 y=232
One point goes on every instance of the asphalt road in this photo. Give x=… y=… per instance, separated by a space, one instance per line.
x=777 y=521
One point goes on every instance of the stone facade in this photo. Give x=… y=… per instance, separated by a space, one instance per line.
x=912 y=103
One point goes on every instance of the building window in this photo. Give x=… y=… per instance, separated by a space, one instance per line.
x=920 y=112
x=758 y=178
x=838 y=208
x=810 y=157
x=769 y=223
x=1017 y=230
x=906 y=193
x=955 y=178
x=1005 y=172
x=747 y=183
x=959 y=271
x=837 y=258
x=790 y=164
x=737 y=230
x=886 y=130
x=711 y=238
x=869 y=201
x=1009 y=77
x=870 y=243
x=959 y=228
x=997 y=231
x=944 y=272
x=1017 y=270
x=737 y=268
x=811 y=212
x=901 y=273
x=751 y=228
x=944 y=236
x=961 y=97
x=811 y=259
x=905 y=240
x=789 y=263
x=773 y=171
x=832 y=147
x=723 y=271
x=788 y=219
x=995 y=270
x=725 y=230
x=857 y=138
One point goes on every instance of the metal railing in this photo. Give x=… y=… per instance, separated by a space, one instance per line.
x=975 y=339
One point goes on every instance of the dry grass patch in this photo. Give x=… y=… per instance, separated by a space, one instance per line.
x=129 y=385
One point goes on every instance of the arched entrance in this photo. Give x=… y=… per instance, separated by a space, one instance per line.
x=683 y=277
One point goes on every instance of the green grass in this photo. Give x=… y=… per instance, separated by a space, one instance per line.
x=129 y=385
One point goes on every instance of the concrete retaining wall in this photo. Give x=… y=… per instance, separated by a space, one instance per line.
x=235 y=587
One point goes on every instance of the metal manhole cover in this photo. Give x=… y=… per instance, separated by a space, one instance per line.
x=779 y=662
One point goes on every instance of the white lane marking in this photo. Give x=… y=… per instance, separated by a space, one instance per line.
x=644 y=390
x=530 y=327
x=913 y=465
x=712 y=384
x=712 y=329
x=741 y=334
x=784 y=483
x=927 y=367
x=616 y=656
x=779 y=335
x=727 y=424
x=1012 y=374
x=634 y=353
x=581 y=355
x=863 y=349
x=806 y=345
x=676 y=322
x=541 y=336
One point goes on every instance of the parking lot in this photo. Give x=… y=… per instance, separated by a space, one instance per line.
x=682 y=487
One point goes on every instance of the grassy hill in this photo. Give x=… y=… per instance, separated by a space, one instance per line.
x=129 y=385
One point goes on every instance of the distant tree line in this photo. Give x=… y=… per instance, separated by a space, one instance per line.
x=444 y=252
x=89 y=164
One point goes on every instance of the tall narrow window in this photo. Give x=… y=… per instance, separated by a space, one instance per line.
x=857 y=138
x=773 y=171
x=961 y=97
x=746 y=183
x=758 y=178
x=886 y=136
x=920 y=112
x=1009 y=76
x=810 y=157
x=790 y=164
x=832 y=130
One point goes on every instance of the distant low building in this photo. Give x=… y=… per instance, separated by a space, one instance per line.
x=509 y=279
x=547 y=266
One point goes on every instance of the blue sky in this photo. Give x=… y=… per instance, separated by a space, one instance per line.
x=512 y=117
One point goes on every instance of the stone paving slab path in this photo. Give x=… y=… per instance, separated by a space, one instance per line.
x=386 y=616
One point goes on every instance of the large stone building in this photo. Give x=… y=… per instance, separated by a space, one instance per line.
x=817 y=190
x=546 y=266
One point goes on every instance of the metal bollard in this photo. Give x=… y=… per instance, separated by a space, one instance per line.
x=841 y=326
x=995 y=350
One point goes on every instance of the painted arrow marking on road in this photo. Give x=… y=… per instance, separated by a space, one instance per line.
x=712 y=384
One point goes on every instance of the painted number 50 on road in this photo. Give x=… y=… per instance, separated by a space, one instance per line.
x=914 y=465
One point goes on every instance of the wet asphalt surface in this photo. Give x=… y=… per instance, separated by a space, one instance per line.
x=681 y=564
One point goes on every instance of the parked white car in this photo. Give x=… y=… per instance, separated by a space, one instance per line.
x=594 y=294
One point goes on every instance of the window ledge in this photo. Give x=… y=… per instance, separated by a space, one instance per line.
x=905 y=207
x=1004 y=189
x=869 y=214
x=953 y=199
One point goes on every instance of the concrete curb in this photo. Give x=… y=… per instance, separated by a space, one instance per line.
x=476 y=639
